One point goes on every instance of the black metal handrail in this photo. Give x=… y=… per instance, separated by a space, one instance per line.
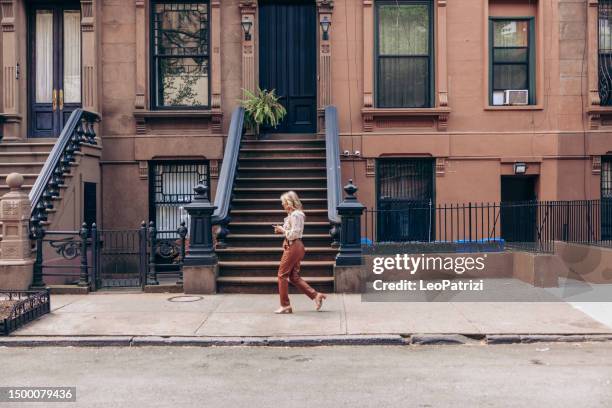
x=229 y=168
x=77 y=131
x=334 y=174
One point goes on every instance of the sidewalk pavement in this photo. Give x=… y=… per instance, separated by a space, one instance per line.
x=152 y=314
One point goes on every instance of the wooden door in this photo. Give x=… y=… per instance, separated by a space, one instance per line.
x=55 y=66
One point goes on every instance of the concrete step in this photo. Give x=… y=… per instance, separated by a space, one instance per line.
x=276 y=192
x=270 y=239
x=282 y=162
x=273 y=216
x=25 y=147
x=259 y=227
x=285 y=136
x=294 y=172
x=288 y=183
x=271 y=254
x=21 y=167
x=272 y=203
x=284 y=143
x=23 y=157
x=283 y=153
x=268 y=285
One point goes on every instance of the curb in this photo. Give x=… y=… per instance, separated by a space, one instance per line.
x=298 y=341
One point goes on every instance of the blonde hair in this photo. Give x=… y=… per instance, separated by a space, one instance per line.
x=291 y=199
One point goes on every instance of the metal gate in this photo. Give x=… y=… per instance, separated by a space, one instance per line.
x=405 y=200
x=121 y=259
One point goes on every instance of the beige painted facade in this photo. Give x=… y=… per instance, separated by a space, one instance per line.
x=561 y=138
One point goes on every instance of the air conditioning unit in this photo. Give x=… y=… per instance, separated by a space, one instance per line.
x=516 y=97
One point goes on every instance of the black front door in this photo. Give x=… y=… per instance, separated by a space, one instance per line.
x=55 y=65
x=518 y=208
x=287 y=60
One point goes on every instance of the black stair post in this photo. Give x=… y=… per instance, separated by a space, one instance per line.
x=350 y=211
x=201 y=251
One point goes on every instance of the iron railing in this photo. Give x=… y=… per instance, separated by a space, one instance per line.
x=531 y=226
x=227 y=176
x=94 y=259
x=79 y=130
x=332 y=159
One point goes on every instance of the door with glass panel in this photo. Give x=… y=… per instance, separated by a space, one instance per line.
x=55 y=66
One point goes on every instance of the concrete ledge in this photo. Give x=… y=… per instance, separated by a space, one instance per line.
x=53 y=341
x=431 y=339
x=539 y=270
x=200 y=280
x=348 y=279
x=68 y=290
x=16 y=275
x=164 y=288
x=294 y=341
x=545 y=338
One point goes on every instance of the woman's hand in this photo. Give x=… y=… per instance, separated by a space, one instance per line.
x=278 y=229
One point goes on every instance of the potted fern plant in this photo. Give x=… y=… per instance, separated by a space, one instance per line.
x=262 y=108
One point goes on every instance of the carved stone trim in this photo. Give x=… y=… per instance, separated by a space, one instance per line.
x=596 y=165
x=440 y=166
x=143 y=170
x=402 y=118
x=8 y=15
x=370 y=167
x=87 y=15
x=214 y=169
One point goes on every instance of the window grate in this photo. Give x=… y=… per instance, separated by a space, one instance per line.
x=605 y=52
x=172 y=188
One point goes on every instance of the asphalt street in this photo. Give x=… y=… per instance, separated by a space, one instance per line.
x=532 y=375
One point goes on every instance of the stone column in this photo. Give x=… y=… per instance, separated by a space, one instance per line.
x=248 y=10
x=16 y=262
x=325 y=8
x=200 y=267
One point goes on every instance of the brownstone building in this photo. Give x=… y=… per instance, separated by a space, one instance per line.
x=447 y=101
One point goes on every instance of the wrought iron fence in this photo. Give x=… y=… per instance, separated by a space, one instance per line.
x=25 y=306
x=97 y=259
x=531 y=226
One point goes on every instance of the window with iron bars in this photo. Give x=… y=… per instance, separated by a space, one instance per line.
x=605 y=52
x=171 y=189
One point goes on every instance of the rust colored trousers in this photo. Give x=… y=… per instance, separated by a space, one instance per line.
x=289 y=271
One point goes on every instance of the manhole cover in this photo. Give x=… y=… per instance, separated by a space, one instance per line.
x=185 y=298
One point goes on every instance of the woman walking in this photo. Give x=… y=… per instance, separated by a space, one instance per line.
x=289 y=268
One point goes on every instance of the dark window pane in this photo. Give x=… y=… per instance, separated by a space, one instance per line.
x=403 y=82
x=510 y=55
x=510 y=77
x=403 y=29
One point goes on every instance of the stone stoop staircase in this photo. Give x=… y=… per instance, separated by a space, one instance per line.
x=26 y=158
x=266 y=169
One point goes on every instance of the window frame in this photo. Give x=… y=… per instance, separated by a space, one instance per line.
x=154 y=88
x=430 y=57
x=531 y=53
x=605 y=100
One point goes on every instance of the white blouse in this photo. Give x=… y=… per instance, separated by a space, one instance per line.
x=294 y=225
